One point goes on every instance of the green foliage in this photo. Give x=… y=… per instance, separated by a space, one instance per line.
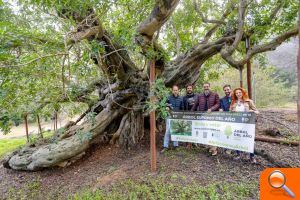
x=65 y=6
x=268 y=91
x=161 y=93
x=259 y=20
x=272 y=92
x=84 y=136
x=31 y=63
x=7 y=120
x=288 y=77
x=91 y=117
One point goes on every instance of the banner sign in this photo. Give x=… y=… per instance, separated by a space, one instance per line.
x=231 y=130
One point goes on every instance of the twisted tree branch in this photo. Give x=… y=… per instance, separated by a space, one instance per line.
x=272 y=45
x=159 y=15
x=239 y=34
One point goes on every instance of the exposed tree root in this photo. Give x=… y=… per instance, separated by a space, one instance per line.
x=276 y=140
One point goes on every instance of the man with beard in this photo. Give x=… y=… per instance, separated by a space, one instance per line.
x=207 y=101
x=225 y=104
x=189 y=101
x=226 y=100
x=190 y=98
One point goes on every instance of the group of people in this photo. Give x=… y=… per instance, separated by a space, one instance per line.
x=209 y=101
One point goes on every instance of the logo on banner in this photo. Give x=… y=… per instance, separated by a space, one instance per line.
x=228 y=131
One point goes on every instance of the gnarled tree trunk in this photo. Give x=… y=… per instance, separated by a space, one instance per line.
x=124 y=89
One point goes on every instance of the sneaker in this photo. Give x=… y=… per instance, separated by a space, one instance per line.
x=238 y=157
x=228 y=151
x=214 y=152
x=175 y=147
x=253 y=160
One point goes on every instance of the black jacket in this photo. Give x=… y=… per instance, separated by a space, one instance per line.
x=189 y=100
x=175 y=103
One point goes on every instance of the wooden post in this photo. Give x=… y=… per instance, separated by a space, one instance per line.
x=26 y=126
x=249 y=73
x=254 y=88
x=39 y=125
x=152 y=119
x=55 y=120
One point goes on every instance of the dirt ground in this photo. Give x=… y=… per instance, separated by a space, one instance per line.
x=106 y=165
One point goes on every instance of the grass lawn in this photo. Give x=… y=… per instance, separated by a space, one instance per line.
x=150 y=188
x=8 y=145
x=158 y=189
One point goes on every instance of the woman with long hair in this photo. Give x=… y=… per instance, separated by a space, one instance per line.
x=241 y=103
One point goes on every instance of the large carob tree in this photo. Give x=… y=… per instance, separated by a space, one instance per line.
x=123 y=80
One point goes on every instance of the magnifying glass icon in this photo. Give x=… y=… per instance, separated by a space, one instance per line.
x=277 y=180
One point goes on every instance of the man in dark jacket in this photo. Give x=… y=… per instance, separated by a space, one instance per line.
x=226 y=100
x=225 y=104
x=190 y=98
x=188 y=102
x=174 y=102
x=208 y=101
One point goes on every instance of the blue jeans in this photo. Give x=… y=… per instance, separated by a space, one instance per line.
x=251 y=154
x=168 y=135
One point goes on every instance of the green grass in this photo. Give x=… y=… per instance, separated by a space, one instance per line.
x=157 y=189
x=29 y=190
x=9 y=145
x=149 y=188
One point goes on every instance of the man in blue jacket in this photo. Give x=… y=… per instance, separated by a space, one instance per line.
x=226 y=100
x=225 y=104
x=175 y=103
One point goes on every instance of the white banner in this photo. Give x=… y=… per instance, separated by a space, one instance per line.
x=231 y=130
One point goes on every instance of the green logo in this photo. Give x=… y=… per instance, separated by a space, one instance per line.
x=228 y=131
